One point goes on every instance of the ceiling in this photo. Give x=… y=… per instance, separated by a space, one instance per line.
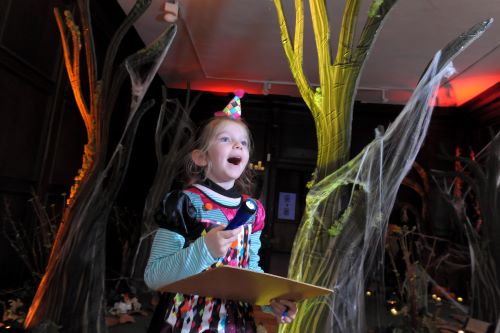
x=223 y=45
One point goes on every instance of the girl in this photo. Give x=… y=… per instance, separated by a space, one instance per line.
x=191 y=236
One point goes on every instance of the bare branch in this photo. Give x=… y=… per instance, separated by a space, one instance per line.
x=294 y=61
x=88 y=42
x=72 y=68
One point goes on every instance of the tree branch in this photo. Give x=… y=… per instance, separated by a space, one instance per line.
x=294 y=57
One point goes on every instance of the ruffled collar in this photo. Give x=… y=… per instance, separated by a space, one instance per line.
x=228 y=198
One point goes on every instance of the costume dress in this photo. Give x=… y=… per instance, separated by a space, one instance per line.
x=178 y=251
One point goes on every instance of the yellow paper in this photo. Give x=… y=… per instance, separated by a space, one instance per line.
x=239 y=284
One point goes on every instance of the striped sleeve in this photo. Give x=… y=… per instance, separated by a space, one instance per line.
x=255 y=244
x=254 y=252
x=169 y=261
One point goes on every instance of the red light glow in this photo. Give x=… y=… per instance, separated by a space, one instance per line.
x=461 y=90
x=452 y=93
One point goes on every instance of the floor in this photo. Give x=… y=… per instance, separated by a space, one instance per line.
x=140 y=326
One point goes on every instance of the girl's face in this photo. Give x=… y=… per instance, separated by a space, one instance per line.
x=227 y=154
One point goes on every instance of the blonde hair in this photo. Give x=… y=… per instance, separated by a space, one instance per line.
x=195 y=173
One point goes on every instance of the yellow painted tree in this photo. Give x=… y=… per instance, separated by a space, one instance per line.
x=340 y=240
x=331 y=107
x=331 y=102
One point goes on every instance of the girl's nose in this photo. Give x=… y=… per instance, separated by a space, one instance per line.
x=238 y=145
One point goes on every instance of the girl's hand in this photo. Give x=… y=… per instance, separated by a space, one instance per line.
x=218 y=240
x=284 y=310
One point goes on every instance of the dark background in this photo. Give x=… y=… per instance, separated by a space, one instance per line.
x=42 y=134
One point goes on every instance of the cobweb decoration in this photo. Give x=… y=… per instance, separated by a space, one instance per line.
x=356 y=247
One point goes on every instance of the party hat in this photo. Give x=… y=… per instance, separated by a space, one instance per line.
x=233 y=108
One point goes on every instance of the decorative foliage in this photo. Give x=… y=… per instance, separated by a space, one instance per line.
x=14 y=311
x=171 y=147
x=34 y=243
x=454 y=259
x=478 y=187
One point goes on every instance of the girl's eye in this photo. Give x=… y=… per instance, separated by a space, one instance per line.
x=225 y=139
x=244 y=143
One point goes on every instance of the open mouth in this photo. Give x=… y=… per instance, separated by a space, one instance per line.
x=234 y=160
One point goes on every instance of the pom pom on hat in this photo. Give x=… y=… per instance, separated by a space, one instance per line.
x=171 y=10
x=239 y=92
x=233 y=108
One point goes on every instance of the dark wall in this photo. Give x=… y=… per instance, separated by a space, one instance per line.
x=33 y=117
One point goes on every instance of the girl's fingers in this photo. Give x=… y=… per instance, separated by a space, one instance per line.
x=278 y=307
x=218 y=240
x=279 y=310
x=292 y=306
x=231 y=233
x=284 y=310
